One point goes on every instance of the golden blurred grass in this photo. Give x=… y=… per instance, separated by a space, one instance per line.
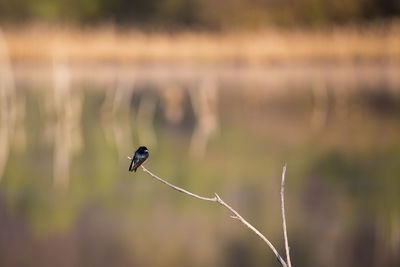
x=108 y=44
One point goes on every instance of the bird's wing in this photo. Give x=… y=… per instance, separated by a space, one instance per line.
x=138 y=163
x=132 y=164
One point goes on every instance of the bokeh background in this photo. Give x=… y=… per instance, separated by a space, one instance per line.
x=223 y=93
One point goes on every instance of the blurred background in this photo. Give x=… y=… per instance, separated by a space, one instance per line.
x=222 y=94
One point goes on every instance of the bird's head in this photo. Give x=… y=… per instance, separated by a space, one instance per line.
x=143 y=149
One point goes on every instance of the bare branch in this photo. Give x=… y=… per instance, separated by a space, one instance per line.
x=176 y=187
x=284 y=217
x=219 y=200
x=251 y=227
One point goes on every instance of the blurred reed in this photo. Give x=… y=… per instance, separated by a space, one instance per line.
x=109 y=44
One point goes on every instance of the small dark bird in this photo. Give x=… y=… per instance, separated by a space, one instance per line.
x=141 y=154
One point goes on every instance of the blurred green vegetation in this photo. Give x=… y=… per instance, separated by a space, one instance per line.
x=207 y=14
x=342 y=187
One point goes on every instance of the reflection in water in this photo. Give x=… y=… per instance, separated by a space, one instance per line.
x=67 y=107
x=341 y=100
x=8 y=105
x=329 y=102
x=145 y=121
x=20 y=134
x=394 y=234
x=320 y=110
x=116 y=114
x=205 y=105
x=172 y=96
x=342 y=194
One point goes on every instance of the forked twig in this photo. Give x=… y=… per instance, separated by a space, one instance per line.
x=252 y=228
x=235 y=215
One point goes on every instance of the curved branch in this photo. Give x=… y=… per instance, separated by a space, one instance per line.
x=214 y=199
x=219 y=200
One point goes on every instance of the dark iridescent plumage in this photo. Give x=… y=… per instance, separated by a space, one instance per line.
x=141 y=154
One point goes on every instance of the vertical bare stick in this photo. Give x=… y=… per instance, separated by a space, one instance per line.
x=218 y=200
x=284 y=217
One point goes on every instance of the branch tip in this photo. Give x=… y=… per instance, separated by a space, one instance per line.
x=289 y=264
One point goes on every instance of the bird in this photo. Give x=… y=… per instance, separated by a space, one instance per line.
x=140 y=156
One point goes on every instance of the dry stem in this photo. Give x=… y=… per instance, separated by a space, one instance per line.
x=236 y=215
x=284 y=217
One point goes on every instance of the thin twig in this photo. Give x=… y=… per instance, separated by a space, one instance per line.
x=214 y=199
x=219 y=200
x=284 y=217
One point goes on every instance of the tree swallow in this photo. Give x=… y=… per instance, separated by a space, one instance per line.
x=141 y=154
